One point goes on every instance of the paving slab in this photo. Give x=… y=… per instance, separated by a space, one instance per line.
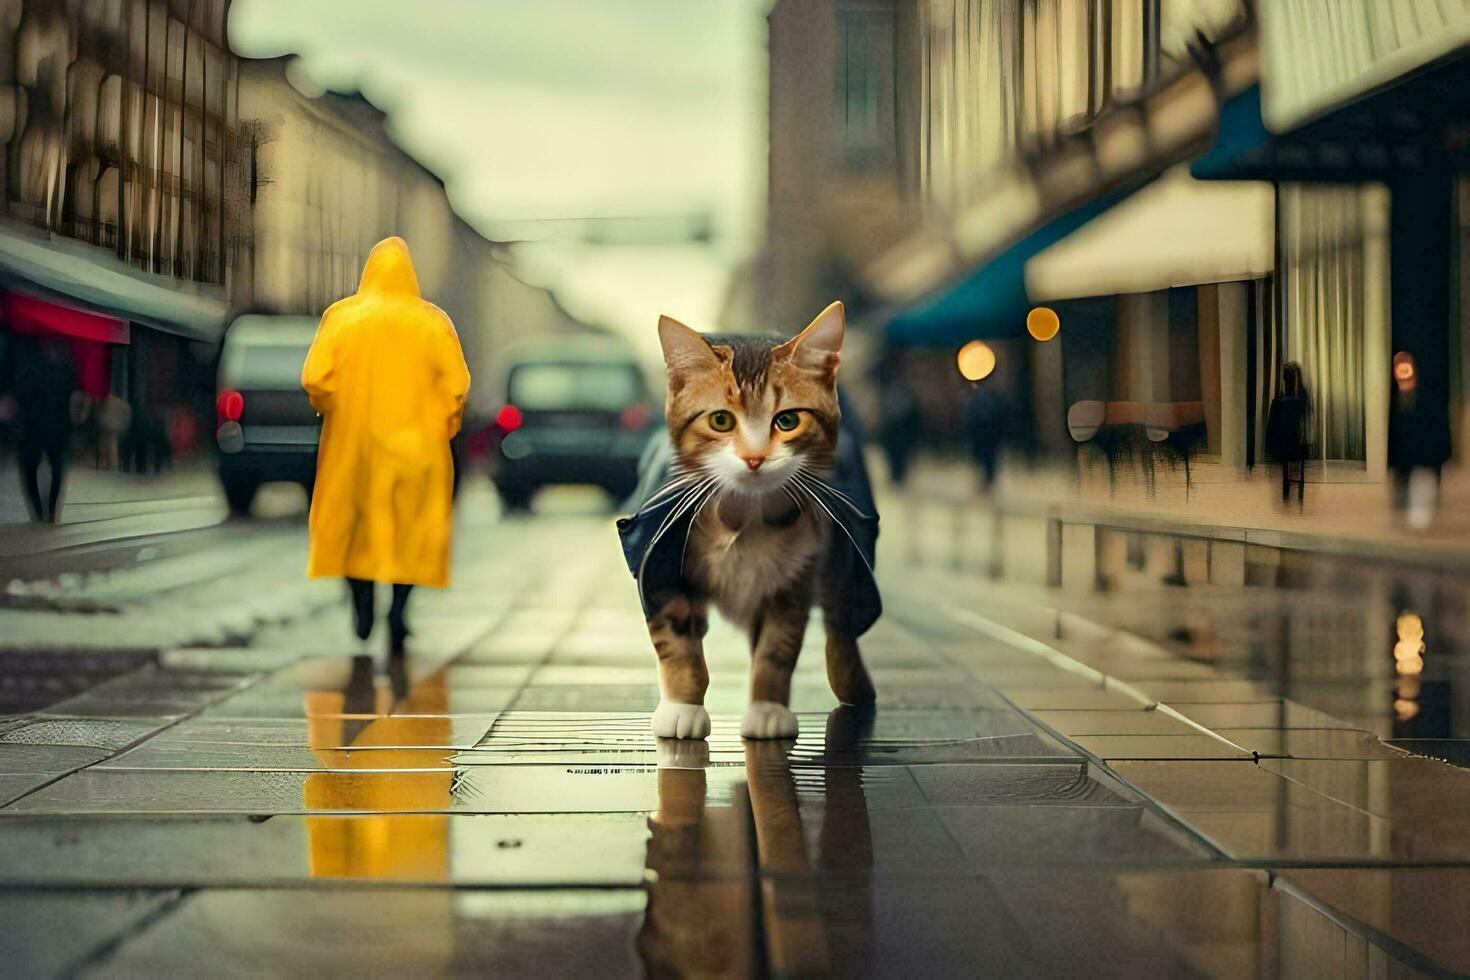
x=56 y=933
x=1420 y=908
x=293 y=850
x=1403 y=786
x=401 y=932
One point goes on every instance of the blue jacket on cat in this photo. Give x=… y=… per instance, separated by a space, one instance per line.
x=653 y=538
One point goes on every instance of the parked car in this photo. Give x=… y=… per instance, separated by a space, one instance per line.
x=265 y=426
x=577 y=411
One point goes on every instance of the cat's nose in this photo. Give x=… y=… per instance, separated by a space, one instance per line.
x=754 y=462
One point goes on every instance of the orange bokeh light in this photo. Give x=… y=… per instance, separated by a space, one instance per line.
x=1042 y=323
x=1405 y=374
x=975 y=360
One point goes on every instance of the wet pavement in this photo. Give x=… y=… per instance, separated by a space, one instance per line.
x=1039 y=793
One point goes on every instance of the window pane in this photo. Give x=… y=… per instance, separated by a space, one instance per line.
x=586 y=387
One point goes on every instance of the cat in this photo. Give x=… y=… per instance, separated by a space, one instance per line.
x=757 y=502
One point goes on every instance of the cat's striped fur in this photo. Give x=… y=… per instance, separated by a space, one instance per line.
x=754 y=423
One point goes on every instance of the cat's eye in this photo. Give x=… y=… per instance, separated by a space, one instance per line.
x=786 y=421
x=722 y=421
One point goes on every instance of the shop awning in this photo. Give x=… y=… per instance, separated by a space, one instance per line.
x=992 y=303
x=1174 y=232
x=1358 y=143
x=1346 y=92
x=28 y=314
x=1318 y=56
x=75 y=273
x=963 y=276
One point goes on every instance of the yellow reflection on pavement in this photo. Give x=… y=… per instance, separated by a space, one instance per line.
x=401 y=795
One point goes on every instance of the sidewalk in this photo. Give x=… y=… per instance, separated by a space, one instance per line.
x=99 y=506
x=1367 y=835
x=1342 y=515
x=495 y=805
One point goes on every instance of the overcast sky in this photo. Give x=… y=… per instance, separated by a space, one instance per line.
x=533 y=109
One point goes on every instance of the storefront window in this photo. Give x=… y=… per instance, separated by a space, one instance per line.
x=1330 y=301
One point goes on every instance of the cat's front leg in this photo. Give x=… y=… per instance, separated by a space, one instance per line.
x=775 y=642
x=677 y=631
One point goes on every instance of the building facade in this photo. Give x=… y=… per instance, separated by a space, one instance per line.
x=889 y=115
x=955 y=162
x=120 y=128
x=325 y=184
x=120 y=192
x=154 y=186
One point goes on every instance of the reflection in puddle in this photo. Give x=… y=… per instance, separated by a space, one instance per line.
x=1377 y=644
x=389 y=845
x=730 y=885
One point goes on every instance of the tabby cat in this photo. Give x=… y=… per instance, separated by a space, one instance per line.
x=761 y=507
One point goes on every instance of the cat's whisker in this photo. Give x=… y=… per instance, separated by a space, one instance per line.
x=673 y=487
x=680 y=507
x=849 y=505
x=800 y=506
x=835 y=520
x=666 y=491
x=708 y=496
x=822 y=484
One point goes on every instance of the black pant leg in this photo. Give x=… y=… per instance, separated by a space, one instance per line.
x=397 y=624
x=30 y=478
x=56 y=453
x=362 y=606
x=400 y=602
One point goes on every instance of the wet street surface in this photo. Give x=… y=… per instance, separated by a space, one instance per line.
x=201 y=767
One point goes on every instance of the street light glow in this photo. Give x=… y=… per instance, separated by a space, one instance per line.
x=1408 y=651
x=976 y=360
x=1405 y=373
x=1042 y=323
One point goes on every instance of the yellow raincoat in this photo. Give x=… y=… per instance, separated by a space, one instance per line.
x=388 y=376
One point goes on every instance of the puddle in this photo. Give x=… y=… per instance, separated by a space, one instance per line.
x=1377 y=646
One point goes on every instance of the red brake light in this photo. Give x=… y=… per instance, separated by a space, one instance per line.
x=634 y=417
x=229 y=406
x=509 y=418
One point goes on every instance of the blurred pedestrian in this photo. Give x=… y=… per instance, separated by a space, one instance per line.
x=387 y=375
x=1418 y=446
x=42 y=380
x=1289 y=429
x=985 y=425
x=902 y=425
x=146 y=442
x=114 y=418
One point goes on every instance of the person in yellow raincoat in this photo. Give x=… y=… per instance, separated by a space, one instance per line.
x=387 y=375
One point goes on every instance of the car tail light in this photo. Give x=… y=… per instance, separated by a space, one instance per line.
x=229 y=406
x=634 y=417
x=508 y=419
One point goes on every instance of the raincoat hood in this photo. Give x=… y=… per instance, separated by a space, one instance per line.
x=389 y=269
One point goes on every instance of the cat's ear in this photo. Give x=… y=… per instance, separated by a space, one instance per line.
x=685 y=349
x=818 y=347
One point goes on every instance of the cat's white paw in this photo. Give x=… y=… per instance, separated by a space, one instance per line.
x=674 y=720
x=767 y=719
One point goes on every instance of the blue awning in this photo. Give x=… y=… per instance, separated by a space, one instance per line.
x=1241 y=136
x=1363 y=140
x=991 y=303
